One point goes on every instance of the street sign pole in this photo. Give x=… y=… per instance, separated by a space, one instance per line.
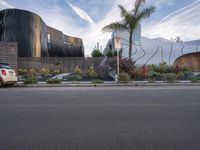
x=117 y=65
x=117 y=48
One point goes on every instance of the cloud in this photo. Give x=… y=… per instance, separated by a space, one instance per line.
x=81 y=13
x=159 y=3
x=57 y=17
x=4 y=5
x=179 y=11
x=184 y=23
x=93 y=33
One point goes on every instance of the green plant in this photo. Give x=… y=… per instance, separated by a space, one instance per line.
x=124 y=77
x=73 y=78
x=131 y=20
x=195 y=79
x=56 y=71
x=138 y=75
x=180 y=76
x=32 y=71
x=30 y=79
x=162 y=68
x=109 y=53
x=170 y=77
x=91 y=72
x=77 y=71
x=127 y=66
x=188 y=75
x=44 y=71
x=96 y=53
x=54 y=81
x=153 y=75
x=97 y=81
x=22 y=71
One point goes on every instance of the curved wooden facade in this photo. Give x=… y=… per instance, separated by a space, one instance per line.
x=34 y=38
x=191 y=60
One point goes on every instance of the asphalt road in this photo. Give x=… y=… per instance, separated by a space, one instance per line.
x=100 y=118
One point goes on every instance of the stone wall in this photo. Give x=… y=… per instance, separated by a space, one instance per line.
x=8 y=54
x=191 y=60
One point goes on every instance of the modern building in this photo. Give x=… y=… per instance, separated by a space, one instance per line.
x=152 y=51
x=35 y=38
x=191 y=60
x=124 y=36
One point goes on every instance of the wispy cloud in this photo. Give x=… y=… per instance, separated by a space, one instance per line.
x=184 y=23
x=94 y=34
x=4 y=5
x=179 y=11
x=159 y=3
x=81 y=13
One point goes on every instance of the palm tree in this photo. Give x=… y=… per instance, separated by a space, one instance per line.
x=131 y=20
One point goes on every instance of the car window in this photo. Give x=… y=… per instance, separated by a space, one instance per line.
x=2 y=66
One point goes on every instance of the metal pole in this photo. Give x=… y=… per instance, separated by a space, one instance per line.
x=117 y=65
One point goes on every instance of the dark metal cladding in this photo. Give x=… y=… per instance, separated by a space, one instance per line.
x=35 y=38
x=75 y=45
x=60 y=45
x=25 y=28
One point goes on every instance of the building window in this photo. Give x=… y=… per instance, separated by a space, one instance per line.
x=49 y=38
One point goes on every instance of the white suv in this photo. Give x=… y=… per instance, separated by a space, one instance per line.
x=7 y=75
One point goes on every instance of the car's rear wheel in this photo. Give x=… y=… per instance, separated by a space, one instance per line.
x=10 y=85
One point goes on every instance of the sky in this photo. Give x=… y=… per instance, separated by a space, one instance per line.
x=86 y=18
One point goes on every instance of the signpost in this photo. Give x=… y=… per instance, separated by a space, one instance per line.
x=117 y=48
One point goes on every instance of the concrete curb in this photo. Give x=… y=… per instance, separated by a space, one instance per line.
x=140 y=84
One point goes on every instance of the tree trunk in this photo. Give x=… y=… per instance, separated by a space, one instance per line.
x=130 y=46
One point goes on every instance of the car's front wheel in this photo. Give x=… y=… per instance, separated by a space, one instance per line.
x=1 y=84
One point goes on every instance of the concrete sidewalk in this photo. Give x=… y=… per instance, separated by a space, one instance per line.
x=108 y=84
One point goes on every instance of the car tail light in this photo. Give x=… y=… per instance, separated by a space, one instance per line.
x=3 y=72
x=15 y=71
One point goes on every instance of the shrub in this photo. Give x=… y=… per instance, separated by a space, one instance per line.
x=195 y=80
x=32 y=71
x=127 y=66
x=180 y=76
x=22 y=71
x=96 y=53
x=138 y=75
x=44 y=71
x=57 y=71
x=31 y=79
x=97 y=81
x=109 y=53
x=162 y=68
x=77 y=71
x=73 y=78
x=185 y=75
x=53 y=81
x=153 y=75
x=124 y=77
x=91 y=72
x=188 y=75
x=170 y=77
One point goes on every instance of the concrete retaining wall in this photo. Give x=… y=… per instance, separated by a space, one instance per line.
x=8 y=53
